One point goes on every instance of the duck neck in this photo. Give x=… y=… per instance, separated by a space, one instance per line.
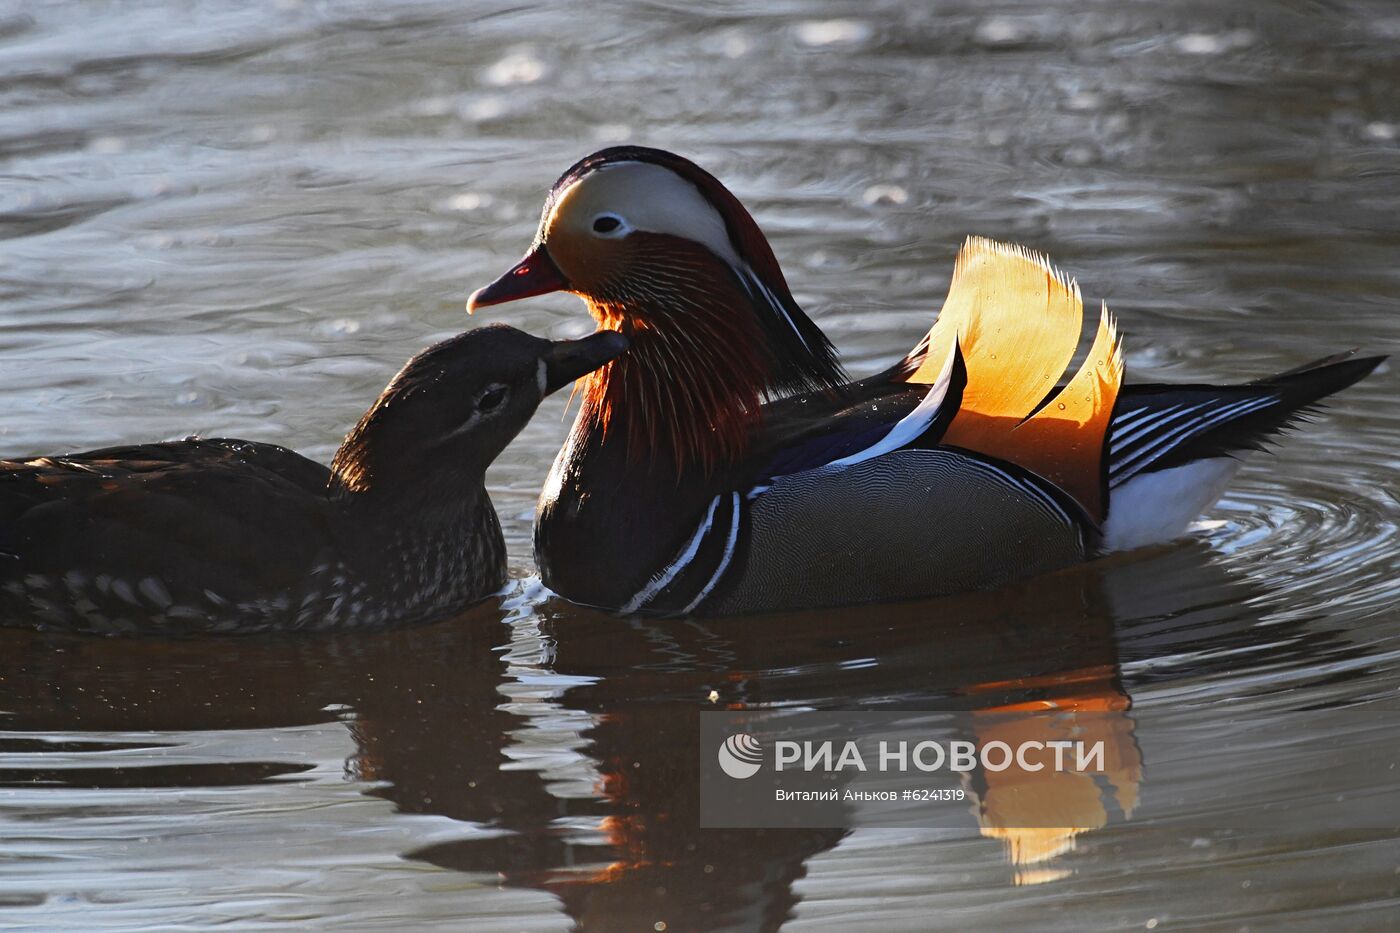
x=423 y=536
x=425 y=554
x=710 y=341
x=382 y=475
x=689 y=391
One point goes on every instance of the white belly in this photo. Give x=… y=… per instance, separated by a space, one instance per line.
x=1152 y=508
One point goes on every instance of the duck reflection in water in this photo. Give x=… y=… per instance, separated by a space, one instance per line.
x=568 y=739
x=626 y=853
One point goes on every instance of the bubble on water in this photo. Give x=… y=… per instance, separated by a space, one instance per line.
x=612 y=132
x=1382 y=132
x=342 y=326
x=438 y=106
x=106 y=145
x=1205 y=43
x=468 y=201
x=885 y=195
x=832 y=32
x=1001 y=32
x=1085 y=101
x=481 y=108
x=1199 y=43
x=1079 y=156
x=516 y=68
x=1062 y=406
x=736 y=44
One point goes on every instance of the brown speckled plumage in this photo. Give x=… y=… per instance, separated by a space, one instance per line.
x=217 y=535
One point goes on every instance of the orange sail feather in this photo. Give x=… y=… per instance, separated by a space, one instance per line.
x=1017 y=321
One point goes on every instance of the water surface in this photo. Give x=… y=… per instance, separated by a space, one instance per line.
x=240 y=219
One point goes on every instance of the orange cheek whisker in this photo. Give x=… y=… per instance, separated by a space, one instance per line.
x=691 y=385
x=569 y=403
x=671 y=400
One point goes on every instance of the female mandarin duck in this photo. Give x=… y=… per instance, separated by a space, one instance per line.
x=962 y=466
x=236 y=536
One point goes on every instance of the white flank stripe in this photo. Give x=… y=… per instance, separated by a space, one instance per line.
x=1156 y=423
x=905 y=430
x=1040 y=495
x=1151 y=417
x=1124 y=422
x=1141 y=458
x=723 y=561
x=1183 y=431
x=911 y=425
x=659 y=583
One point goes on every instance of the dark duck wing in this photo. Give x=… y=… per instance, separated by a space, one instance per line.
x=862 y=497
x=185 y=534
x=1173 y=448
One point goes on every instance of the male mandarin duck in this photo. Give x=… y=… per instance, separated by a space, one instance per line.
x=725 y=465
x=236 y=536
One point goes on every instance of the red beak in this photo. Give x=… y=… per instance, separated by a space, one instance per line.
x=536 y=274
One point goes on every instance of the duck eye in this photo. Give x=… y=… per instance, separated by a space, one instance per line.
x=606 y=223
x=491 y=399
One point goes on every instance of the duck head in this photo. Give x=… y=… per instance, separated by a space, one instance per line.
x=454 y=407
x=662 y=252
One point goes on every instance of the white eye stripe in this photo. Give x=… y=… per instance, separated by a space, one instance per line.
x=647 y=198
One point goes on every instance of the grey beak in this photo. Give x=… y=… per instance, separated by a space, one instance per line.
x=566 y=360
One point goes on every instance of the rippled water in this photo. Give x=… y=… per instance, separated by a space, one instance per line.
x=240 y=219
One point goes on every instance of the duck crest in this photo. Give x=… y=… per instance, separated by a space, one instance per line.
x=1017 y=321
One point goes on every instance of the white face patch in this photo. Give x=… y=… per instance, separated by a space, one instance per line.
x=643 y=197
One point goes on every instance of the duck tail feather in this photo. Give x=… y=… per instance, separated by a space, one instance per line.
x=1167 y=426
x=1312 y=382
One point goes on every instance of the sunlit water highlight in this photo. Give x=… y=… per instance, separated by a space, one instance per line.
x=239 y=219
